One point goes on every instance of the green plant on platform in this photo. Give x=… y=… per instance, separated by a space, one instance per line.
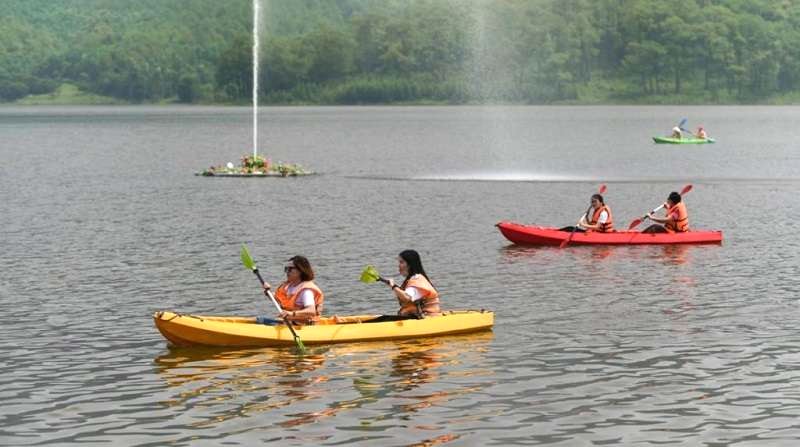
x=288 y=169
x=256 y=162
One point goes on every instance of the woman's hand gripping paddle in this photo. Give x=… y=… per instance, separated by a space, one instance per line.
x=639 y=220
x=251 y=265
x=567 y=240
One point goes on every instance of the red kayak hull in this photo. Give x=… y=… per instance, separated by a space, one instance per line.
x=534 y=235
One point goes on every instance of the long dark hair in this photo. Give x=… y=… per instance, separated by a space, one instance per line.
x=414 y=265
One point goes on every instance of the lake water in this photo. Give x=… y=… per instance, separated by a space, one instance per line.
x=103 y=224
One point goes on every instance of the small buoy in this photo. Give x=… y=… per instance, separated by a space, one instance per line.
x=229 y=165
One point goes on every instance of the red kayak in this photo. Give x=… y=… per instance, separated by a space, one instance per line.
x=533 y=235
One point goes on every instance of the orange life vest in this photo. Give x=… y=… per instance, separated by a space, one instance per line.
x=681 y=224
x=429 y=299
x=289 y=302
x=606 y=227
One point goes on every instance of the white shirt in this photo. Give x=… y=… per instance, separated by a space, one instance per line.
x=305 y=299
x=413 y=293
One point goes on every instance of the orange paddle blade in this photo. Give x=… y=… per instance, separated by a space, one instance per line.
x=634 y=224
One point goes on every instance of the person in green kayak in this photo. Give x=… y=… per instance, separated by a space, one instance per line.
x=701 y=133
x=416 y=295
x=676 y=133
x=676 y=220
x=298 y=296
x=600 y=221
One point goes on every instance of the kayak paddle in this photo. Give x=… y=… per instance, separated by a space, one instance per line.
x=567 y=240
x=251 y=265
x=370 y=274
x=639 y=220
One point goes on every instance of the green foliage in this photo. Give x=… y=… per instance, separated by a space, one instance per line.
x=257 y=165
x=188 y=89
x=388 y=51
x=68 y=94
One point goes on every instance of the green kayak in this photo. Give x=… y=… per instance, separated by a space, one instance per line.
x=670 y=140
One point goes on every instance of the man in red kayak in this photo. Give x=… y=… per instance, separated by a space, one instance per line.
x=676 y=220
x=601 y=220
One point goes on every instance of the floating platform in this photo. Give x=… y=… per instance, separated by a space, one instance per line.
x=252 y=174
x=256 y=166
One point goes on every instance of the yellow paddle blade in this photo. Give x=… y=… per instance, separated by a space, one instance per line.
x=369 y=274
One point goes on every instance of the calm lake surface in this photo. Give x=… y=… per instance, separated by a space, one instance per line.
x=103 y=224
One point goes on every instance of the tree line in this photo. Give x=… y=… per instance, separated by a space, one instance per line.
x=395 y=51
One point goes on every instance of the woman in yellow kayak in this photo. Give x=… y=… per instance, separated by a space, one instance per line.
x=298 y=296
x=676 y=220
x=417 y=296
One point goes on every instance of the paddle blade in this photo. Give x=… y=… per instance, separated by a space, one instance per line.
x=370 y=274
x=686 y=189
x=683 y=121
x=300 y=346
x=602 y=189
x=634 y=224
x=565 y=242
x=246 y=259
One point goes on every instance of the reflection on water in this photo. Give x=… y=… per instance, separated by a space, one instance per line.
x=601 y=252
x=684 y=290
x=668 y=254
x=375 y=382
x=676 y=254
x=212 y=377
x=417 y=365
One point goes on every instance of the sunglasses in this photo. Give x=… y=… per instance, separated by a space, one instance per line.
x=289 y=269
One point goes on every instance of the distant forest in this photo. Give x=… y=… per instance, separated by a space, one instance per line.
x=406 y=51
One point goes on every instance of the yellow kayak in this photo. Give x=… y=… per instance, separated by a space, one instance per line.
x=198 y=330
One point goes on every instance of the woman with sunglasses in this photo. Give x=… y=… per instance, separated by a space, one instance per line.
x=298 y=296
x=417 y=296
